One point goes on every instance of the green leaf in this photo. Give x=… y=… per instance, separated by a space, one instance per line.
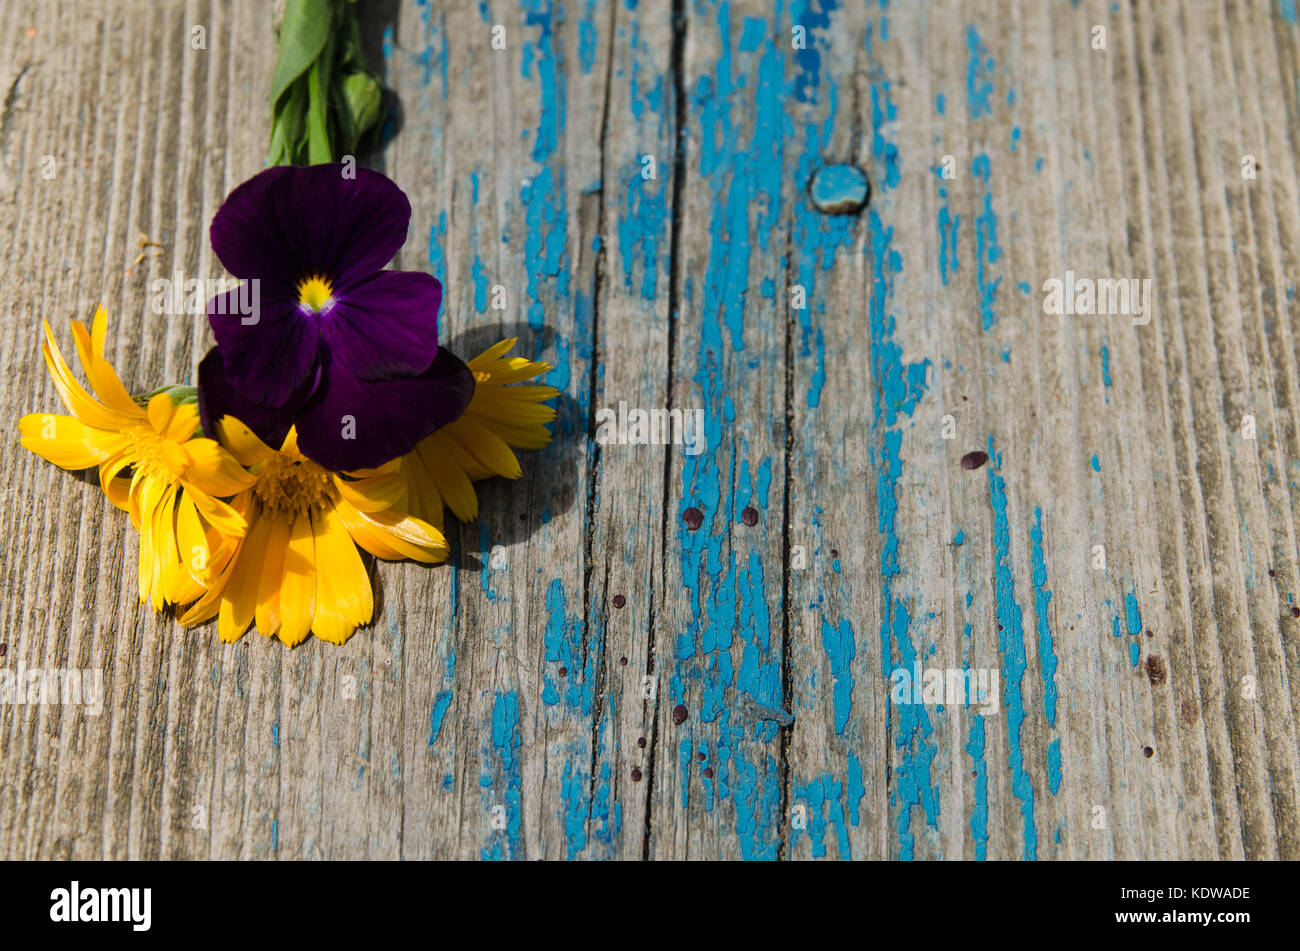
x=362 y=105
x=303 y=34
x=318 y=91
x=180 y=394
x=288 y=124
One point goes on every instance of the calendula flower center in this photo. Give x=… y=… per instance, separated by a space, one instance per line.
x=153 y=454
x=292 y=486
x=315 y=293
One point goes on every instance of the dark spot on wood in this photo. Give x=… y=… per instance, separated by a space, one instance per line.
x=1190 y=712
x=707 y=772
x=564 y=671
x=640 y=741
x=749 y=515
x=1156 y=672
x=700 y=757
x=1272 y=573
x=973 y=460
x=1295 y=612
x=623 y=661
x=835 y=553
x=636 y=775
x=693 y=518
x=1149 y=634
x=523 y=516
x=1148 y=752
x=999 y=627
x=619 y=600
x=4 y=649
x=679 y=714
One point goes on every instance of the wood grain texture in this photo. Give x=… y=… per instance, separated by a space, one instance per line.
x=527 y=710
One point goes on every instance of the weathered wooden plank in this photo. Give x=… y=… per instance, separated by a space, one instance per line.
x=872 y=547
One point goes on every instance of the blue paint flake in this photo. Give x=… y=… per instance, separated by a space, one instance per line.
x=840 y=650
x=1042 y=599
x=987 y=250
x=503 y=775
x=979 y=75
x=1014 y=662
x=1131 y=613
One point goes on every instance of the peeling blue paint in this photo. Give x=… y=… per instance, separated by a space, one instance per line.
x=979 y=75
x=440 y=705
x=1042 y=599
x=1131 y=613
x=1014 y=662
x=840 y=649
x=987 y=250
x=503 y=775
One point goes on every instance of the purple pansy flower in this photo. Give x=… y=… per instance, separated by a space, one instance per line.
x=346 y=352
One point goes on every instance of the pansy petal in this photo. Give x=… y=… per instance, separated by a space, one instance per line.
x=386 y=326
x=218 y=397
x=336 y=221
x=356 y=424
x=268 y=355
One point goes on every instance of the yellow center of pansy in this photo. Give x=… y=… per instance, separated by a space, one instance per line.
x=314 y=293
x=291 y=486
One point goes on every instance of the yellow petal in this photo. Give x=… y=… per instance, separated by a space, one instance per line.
x=239 y=599
x=373 y=495
x=214 y=470
x=393 y=534
x=242 y=442
x=224 y=518
x=147 y=493
x=160 y=409
x=74 y=396
x=423 y=500
x=371 y=538
x=441 y=458
x=290 y=445
x=192 y=544
x=485 y=358
x=268 y=589
x=103 y=378
x=184 y=422
x=343 y=597
x=67 y=442
x=298 y=583
x=486 y=447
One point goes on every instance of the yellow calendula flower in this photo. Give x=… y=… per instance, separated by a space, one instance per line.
x=442 y=468
x=297 y=570
x=150 y=466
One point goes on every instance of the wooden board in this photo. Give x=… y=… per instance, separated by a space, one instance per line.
x=589 y=676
